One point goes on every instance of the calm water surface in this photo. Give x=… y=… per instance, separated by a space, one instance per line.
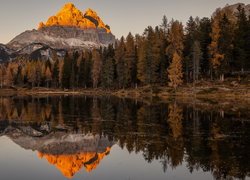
x=111 y=139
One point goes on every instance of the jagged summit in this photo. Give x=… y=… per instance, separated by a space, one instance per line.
x=70 y=16
x=68 y=29
x=69 y=165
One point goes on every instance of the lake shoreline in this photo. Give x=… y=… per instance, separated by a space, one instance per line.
x=212 y=92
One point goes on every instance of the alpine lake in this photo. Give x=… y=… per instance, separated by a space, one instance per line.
x=109 y=138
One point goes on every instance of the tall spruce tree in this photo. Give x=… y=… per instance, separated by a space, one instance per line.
x=241 y=36
x=130 y=61
x=191 y=37
x=188 y=42
x=205 y=40
x=221 y=47
x=149 y=57
x=226 y=44
x=108 y=71
x=164 y=61
x=158 y=52
x=141 y=54
x=85 y=70
x=149 y=60
x=120 y=63
x=196 y=59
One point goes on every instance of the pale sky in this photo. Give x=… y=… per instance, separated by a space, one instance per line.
x=125 y=16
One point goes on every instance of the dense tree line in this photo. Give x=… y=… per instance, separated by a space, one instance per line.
x=169 y=54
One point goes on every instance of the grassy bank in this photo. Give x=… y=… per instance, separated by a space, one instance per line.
x=200 y=91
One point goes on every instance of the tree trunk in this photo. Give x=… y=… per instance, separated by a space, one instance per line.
x=222 y=77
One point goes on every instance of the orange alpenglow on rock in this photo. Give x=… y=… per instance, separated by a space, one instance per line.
x=70 y=16
x=69 y=165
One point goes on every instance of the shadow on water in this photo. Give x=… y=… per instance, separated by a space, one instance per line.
x=80 y=131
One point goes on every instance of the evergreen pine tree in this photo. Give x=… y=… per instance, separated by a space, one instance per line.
x=196 y=59
x=226 y=44
x=108 y=71
x=141 y=64
x=130 y=61
x=205 y=40
x=120 y=62
x=190 y=38
x=241 y=36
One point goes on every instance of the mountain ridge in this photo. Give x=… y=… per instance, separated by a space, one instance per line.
x=68 y=29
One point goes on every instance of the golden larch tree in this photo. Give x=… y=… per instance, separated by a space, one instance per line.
x=175 y=52
x=216 y=57
x=175 y=73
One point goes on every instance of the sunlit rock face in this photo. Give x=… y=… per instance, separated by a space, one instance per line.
x=58 y=37
x=68 y=29
x=69 y=15
x=70 y=164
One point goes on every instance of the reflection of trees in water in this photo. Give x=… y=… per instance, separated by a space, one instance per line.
x=175 y=120
x=172 y=133
x=217 y=144
x=176 y=150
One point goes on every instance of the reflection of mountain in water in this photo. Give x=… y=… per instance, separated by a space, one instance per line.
x=212 y=140
x=71 y=164
x=69 y=152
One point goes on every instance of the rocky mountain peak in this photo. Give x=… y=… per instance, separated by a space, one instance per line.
x=90 y=12
x=70 y=164
x=232 y=10
x=69 y=6
x=70 y=16
x=68 y=29
x=93 y=17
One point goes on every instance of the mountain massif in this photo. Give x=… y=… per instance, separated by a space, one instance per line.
x=68 y=151
x=68 y=29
